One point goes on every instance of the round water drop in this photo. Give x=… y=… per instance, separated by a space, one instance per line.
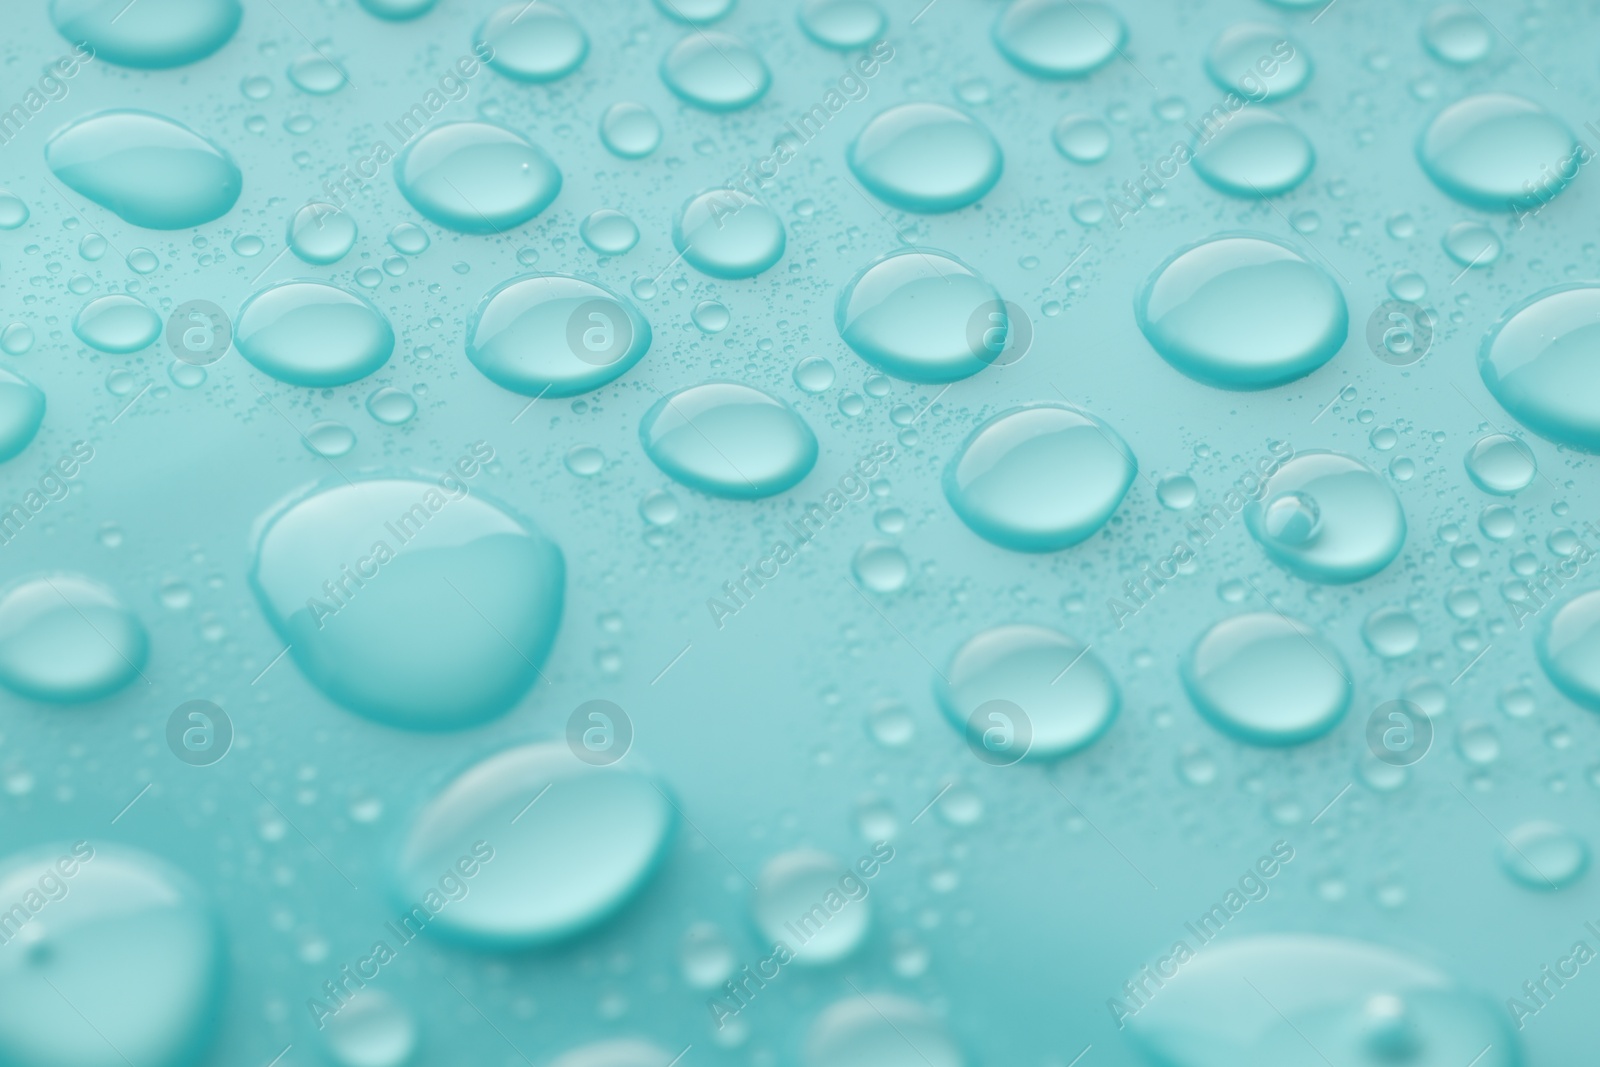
x=21 y=413
x=1082 y=138
x=1177 y=492
x=1059 y=38
x=1259 y=62
x=920 y=315
x=925 y=157
x=726 y=234
x=705 y=956
x=1327 y=517
x=1242 y=311
x=1456 y=34
x=130 y=943
x=311 y=334
x=1569 y=649
x=142 y=261
x=790 y=887
x=371 y=1029
x=710 y=316
x=1063 y=689
x=729 y=440
x=1265 y=679
x=1472 y=244
x=1322 y=1000
x=1498 y=152
x=330 y=439
x=881 y=1030
x=814 y=374
x=13 y=212
x=151 y=34
x=321 y=234
x=1542 y=363
x=315 y=73
x=398 y=10
x=116 y=323
x=609 y=233
x=66 y=639
x=715 y=71
x=1039 y=478
x=409 y=239
x=1391 y=632
x=630 y=130
x=555 y=334
x=618 y=1052
x=391 y=406
x=545 y=871
x=1501 y=464
x=1256 y=154
x=410 y=602
x=842 y=24
x=472 y=177
x=1542 y=855
x=16 y=339
x=881 y=567
x=533 y=42
x=146 y=169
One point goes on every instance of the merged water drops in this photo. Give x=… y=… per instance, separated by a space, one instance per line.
x=1039 y=478
x=67 y=639
x=1569 y=649
x=715 y=71
x=21 y=413
x=540 y=872
x=555 y=335
x=925 y=157
x=1259 y=62
x=1242 y=311
x=1059 y=38
x=415 y=603
x=1063 y=690
x=1266 y=679
x=1498 y=152
x=882 y=1030
x=146 y=169
x=152 y=35
x=312 y=334
x=1256 y=154
x=842 y=24
x=789 y=892
x=920 y=315
x=1327 y=517
x=475 y=178
x=116 y=323
x=726 y=234
x=1541 y=361
x=130 y=943
x=1320 y=1000
x=532 y=42
x=1542 y=855
x=729 y=440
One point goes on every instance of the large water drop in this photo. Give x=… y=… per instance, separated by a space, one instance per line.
x=1542 y=363
x=925 y=157
x=1266 y=679
x=555 y=335
x=920 y=315
x=1327 y=517
x=1498 y=152
x=148 y=170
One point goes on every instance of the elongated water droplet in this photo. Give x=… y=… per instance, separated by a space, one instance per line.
x=147 y=169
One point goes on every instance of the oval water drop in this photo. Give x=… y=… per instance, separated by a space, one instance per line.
x=21 y=414
x=1472 y=244
x=882 y=1031
x=630 y=130
x=1498 y=152
x=398 y=10
x=1256 y=154
x=371 y=1029
x=1266 y=679
x=1059 y=38
x=66 y=639
x=726 y=234
x=789 y=887
x=533 y=42
x=1569 y=649
x=925 y=157
x=1327 y=517
x=556 y=335
x=1456 y=34
x=116 y=323
x=475 y=178
x=546 y=871
x=694 y=12
x=610 y=233
x=312 y=334
x=919 y=315
x=321 y=234
x=1082 y=138
x=1242 y=55
x=729 y=440
x=148 y=170
x=149 y=35
x=1541 y=361
x=842 y=24
x=715 y=71
x=1242 y=311
x=1544 y=856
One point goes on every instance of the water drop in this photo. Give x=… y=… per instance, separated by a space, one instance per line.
x=881 y=1030
x=920 y=315
x=151 y=35
x=925 y=157
x=729 y=440
x=1472 y=244
x=533 y=42
x=476 y=178
x=1259 y=62
x=802 y=891
x=555 y=335
x=312 y=334
x=630 y=130
x=1327 y=517
x=726 y=234
x=1082 y=138
x=321 y=233
x=371 y=1029
x=1256 y=154
x=1059 y=38
x=1498 y=152
x=65 y=639
x=608 y=232
x=21 y=414
x=1456 y=34
x=391 y=406
x=330 y=439
x=715 y=71
x=1542 y=855
x=116 y=323
x=842 y=24
x=147 y=170
x=1569 y=649
x=881 y=567
x=710 y=316
x=1266 y=679
x=1391 y=632
x=1541 y=361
